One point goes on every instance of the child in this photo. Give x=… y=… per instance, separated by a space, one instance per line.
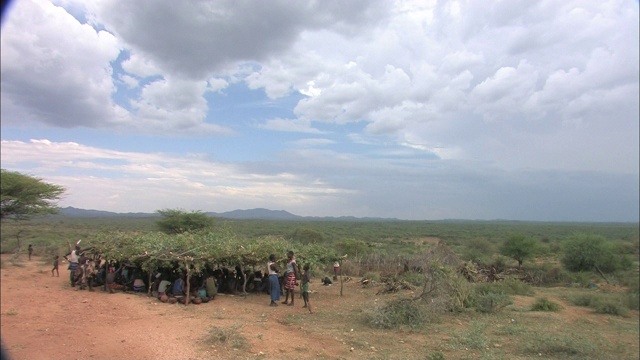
x=306 y=278
x=55 y=266
x=30 y=251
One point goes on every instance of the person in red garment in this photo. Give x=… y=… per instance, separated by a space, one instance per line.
x=291 y=277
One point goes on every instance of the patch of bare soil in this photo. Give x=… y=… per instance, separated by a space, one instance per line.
x=43 y=317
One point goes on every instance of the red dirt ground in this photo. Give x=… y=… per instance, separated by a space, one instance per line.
x=44 y=318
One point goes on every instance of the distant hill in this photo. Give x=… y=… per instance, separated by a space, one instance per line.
x=263 y=214
x=75 y=212
x=255 y=214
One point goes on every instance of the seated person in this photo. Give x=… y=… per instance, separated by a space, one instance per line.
x=257 y=281
x=138 y=285
x=202 y=294
x=211 y=287
x=163 y=287
x=178 y=287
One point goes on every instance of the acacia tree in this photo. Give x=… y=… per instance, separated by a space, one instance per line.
x=519 y=247
x=585 y=252
x=23 y=196
x=175 y=221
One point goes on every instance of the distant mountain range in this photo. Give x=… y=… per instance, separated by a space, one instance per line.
x=257 y=214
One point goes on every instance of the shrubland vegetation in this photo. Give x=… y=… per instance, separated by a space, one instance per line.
x=576 y=258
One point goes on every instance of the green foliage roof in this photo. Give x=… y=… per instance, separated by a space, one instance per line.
x=220 y=247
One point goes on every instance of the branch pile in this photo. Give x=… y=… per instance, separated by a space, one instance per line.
x=476 y=273
x=393 y=286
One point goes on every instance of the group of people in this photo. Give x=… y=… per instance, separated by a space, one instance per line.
x=291 y=277
x=202 y=290
x=210 y=284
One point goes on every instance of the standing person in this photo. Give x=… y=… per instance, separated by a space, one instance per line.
x=55 y=266
x=274 y=283
x=73 y=261
x=336 y=269
x=290 y=278
x=306 y=279
x=30 y=251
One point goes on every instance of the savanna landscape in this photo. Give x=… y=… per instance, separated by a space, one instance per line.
x=408 y=290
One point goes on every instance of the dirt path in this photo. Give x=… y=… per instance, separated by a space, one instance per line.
x=44 y=318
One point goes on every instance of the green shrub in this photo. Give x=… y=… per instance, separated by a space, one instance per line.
x=633 y=295
x=613 y=304
x=509 y=286
x=371 y=275
x=580 y=279
x=478 y=250
x=500 y=262
x=491 y=303
x=544 y=304
x=512 y=286
x=611 y=307
x=583 y=299
x=413 y=278
x=545 y=275
x=444 y=289
x=633 y=300
x=584 y=252
x=227 y=336
x=399 y=313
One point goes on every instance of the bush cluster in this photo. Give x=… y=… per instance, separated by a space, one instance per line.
x=585 y=252
x=508 y=286
x=545 y=275
x=400 y=313
x=612 y=304
x=442 y=290
x=491 y=302
x=544 y=304
x=611 y=307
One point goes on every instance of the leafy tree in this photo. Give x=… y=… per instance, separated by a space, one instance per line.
x=519 y=248
x=588 y=251
x=352 y=247
x=23 y=196
x=175 y=221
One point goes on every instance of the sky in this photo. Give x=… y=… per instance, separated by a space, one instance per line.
x=416 y=110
